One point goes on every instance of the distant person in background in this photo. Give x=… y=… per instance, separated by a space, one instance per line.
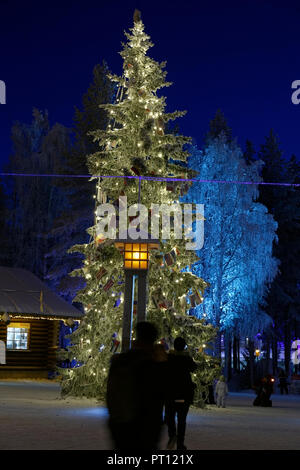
x=283 y=383
x=180 y=392
x=264 y=391
x=267 y=390
x=221 y=392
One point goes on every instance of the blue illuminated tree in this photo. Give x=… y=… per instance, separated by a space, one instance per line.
x=236 y=258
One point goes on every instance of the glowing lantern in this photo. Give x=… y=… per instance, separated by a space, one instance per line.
x=136 y=255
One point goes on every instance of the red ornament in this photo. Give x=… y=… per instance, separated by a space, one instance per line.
x=136 y=170
x=171 y=186
x=101 y=273
x=108 y=285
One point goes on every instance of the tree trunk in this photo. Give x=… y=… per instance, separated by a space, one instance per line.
x=238 y=355
x=296 y=366
x=267 y=357
x=274 y=356
x=228 y=344
x=218 y=346
x=251 y=362
x=235 y=354
x=287 y=348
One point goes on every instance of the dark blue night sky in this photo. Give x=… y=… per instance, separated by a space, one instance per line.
x=239 y=56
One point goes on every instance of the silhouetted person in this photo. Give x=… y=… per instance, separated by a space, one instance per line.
x=135 y=394
x=180 y=392
x=264 y=391
x=267 y=390
x=161 y=358
x=283 y=383
x=210 y=399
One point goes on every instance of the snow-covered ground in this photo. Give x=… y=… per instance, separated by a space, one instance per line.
x=33 y=417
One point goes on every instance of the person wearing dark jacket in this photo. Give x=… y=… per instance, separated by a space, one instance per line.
x=283 y=383
x=135 y=394
x=179 y=394
x=264 y=390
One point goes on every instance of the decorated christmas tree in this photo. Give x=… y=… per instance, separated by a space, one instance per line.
x=135 y=150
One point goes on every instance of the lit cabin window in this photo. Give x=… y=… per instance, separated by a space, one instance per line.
x=18 y=336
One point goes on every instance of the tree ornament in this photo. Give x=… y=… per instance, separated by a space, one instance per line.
x=195 y=299
x=115 y=343
x=102 y=271
x=142 y=92
x=108 y=285
x=135 y=170
x=160 y=125
x=101 y=241
x=170 y=258
x=160 y=301
x=185 y=187
x=171 y=186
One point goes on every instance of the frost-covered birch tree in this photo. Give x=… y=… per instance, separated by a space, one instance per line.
x=236 y=258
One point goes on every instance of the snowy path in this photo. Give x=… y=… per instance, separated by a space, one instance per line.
x=32 y=417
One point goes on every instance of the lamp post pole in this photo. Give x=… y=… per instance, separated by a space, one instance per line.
x=136 y=263
x=128 y=304
x=142 y=296
x=128 y=307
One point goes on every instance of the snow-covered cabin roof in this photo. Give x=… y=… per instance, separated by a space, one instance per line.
x=21 y=292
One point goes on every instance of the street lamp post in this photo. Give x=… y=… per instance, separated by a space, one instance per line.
x=136 y=263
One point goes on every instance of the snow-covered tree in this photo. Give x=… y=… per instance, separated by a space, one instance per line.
x=35 y=202
x=135 y=143
x=236 y=258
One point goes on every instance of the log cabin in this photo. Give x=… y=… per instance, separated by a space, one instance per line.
x=30 y=318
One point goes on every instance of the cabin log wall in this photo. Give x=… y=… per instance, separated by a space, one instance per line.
x=40 y=358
